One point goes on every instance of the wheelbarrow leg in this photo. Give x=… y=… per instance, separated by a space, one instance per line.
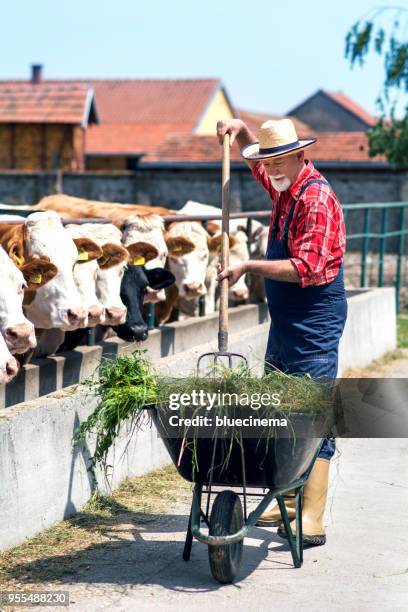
x=189 y=535
x=189 y=541
x=295 y=542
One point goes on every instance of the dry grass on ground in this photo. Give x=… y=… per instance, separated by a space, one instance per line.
x=103 y=520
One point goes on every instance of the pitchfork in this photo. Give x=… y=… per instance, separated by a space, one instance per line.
x=223 y=356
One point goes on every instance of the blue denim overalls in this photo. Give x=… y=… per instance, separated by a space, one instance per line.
x=307 y=323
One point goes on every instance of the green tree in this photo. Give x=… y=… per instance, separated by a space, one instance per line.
x=384 y=31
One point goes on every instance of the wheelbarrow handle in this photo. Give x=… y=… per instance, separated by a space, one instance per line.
x=223 y=313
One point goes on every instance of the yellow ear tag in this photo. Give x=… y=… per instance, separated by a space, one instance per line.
x=103 y=260
x=139 y=261
x=18 y=260
x=83 y=256
x=36 y=279
x=177 y=249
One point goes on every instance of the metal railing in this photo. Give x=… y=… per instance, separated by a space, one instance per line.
x=366 y=236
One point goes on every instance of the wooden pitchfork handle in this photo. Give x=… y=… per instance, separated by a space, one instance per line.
x=223 y=313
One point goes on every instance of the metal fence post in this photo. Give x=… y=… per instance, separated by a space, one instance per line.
x=383 y=239
x=201 y=306
x=365 y=247
x=399 y=257
x=150 y=316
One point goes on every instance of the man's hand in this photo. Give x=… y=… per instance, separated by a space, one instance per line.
x=233 y=273
x=238 y=131
x=231 y=127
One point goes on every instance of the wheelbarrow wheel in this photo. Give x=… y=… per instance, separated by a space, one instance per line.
x=226 y=518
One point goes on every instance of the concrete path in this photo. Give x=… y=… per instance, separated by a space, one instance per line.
x=363 y=567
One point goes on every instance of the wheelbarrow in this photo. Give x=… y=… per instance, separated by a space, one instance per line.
x=276 y=465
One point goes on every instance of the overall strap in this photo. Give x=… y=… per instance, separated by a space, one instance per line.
x=302 y=190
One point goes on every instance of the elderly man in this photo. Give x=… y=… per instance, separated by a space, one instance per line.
x=303 y=272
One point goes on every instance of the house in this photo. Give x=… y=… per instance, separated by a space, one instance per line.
x=137 y=115
x=118 y=125
x=327 y=111
x=43 y=125
x=48 y=124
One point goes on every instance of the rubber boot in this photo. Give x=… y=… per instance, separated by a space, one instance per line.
x=272 y=518
x=314 y=502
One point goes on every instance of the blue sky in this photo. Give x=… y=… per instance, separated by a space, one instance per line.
x=269 y=55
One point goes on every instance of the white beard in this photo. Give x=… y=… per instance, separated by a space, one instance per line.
x=280 y=184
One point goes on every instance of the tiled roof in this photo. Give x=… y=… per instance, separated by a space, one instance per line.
x=134 y=115
x=351 y=106
x=254 y=121
x=330 y=146
x=137 y=115
x=153 y=101
x=128 y=138
x=23 y=102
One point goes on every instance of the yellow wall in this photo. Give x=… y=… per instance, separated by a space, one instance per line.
x=218 y=109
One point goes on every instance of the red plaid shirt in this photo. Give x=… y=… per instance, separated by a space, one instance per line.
x=317 y=235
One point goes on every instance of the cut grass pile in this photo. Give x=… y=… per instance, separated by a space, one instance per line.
x=129 y=384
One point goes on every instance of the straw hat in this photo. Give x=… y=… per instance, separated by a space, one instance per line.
x=276 y=138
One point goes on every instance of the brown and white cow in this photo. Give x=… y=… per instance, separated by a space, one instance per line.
x=16 y=285
x=238 y=250
x=85 y=273
x=191 y=251
x=8 y=364
x=75 y=208
x=148 y=229
x=109 y=269
x=56 y=305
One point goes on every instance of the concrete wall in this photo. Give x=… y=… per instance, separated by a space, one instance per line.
x=371 y=329
x=172 y=185
x=47 y=375
x=36 y=448
x=35 y=436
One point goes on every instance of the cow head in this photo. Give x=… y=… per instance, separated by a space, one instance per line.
x=111 y=268
x=148 y=229
x=188 y=257
x=239 y=253
x=135 y=281
x=17 y=330
x=85 y=274
x=57 y=304
x=8 y=364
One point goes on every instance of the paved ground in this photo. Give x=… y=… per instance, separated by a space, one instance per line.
x=363 y=567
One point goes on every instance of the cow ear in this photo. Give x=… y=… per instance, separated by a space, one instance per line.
x=37 y=272
x=214 y=243
x=141 y=252
x=159 y=278
x=112 y=255
x=179 y=245
x=88 y=250
x=16 y=252
x=213 y=228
